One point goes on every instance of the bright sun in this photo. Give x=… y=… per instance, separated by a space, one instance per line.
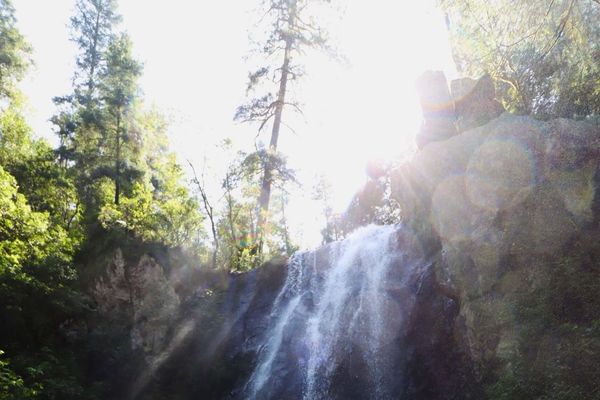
x=367 y=110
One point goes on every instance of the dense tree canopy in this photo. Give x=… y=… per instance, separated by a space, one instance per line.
x=543 y=55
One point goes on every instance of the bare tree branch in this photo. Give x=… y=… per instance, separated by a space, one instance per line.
x=209 y=211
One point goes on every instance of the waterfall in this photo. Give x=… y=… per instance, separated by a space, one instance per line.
x=338 y=310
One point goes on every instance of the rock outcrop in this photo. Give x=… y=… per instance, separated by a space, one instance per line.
x=475 y=102
x=217 y=340
x=468 y=104
x=139 y=296
x=512 y=210
x=438 y=109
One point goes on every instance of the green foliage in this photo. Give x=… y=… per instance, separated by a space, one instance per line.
x=39 y=236
x=35 y=295
x=155 y=205
x=237 y=224
x=244 y=260
x=171 y=217
x=43 y=376
x=543 y=55
x=94 y=121
x=119 y=89
x=93 y=29
x=12 y=385
x=113 y=148
x=44 y=183
x=80 y=120
x=15 y=136
x=118 y=82
x=236 y=219
x=291 y=31
x=14 y=51
x=27 y=237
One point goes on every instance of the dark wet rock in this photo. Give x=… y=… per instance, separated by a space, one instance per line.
x=214 y=342
x=206 y=345
x=226 y=329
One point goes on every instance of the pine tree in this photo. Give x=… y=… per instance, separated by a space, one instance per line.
x=119 y=90
x=79 y=122
x=93 y=30
x=82 y=119
x=292 y=32
x=14 y=51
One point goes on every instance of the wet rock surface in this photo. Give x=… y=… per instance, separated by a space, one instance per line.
x=222 y=335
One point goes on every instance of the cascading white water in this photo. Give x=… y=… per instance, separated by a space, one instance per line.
x=330 y=308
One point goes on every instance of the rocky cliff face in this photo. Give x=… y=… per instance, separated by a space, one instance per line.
x=219 y=340
x=207 y=345
x=514 y=208
x=139 y=296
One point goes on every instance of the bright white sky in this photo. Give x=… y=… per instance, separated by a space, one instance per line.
x=195 y=72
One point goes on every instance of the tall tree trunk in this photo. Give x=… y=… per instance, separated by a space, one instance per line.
x=118 y=160
x=267 y=181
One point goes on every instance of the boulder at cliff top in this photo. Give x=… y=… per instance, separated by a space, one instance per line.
x=474 y=102
x=438 y=108
x=469 y=104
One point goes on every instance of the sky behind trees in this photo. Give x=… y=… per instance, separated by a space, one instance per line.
x=196 y=62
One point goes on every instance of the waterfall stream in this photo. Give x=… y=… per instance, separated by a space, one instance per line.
x=338 y=310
